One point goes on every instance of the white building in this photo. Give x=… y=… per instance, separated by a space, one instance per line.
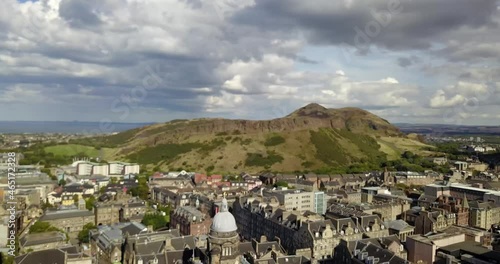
x=112 y=168
x=123 y=168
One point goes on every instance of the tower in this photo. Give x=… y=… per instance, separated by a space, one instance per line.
x=388 y=180
x=223 y=239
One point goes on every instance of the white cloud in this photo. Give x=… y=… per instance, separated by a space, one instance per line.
x=22 y=93
x=439 y=100
x=208 y=56
x=235 y=84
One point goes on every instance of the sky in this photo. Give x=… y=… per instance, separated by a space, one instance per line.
x=408 y=61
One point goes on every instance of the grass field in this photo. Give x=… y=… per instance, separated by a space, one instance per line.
x=74 y=149
x=395 y=146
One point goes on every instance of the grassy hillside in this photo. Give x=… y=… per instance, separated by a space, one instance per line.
x=75 y=150
x=312 y=138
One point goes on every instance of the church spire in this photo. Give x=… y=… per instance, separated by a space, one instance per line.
x=465 y=203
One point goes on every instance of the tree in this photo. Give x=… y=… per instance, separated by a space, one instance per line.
x=76 y=198
x=46 y=205
x=6 y=259
x=83 y=235
x=41 y=227
x=62 y=182
x=114 y=180
x=142 y=190
x=281 y=184
x=156 y=220
x=166 y=210
x=89 y=203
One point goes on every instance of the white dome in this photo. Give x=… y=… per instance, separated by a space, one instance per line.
x=224 y=221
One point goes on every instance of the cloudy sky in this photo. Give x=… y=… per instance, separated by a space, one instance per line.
x=425 y=61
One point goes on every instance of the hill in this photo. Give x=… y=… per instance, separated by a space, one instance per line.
x=311 y=138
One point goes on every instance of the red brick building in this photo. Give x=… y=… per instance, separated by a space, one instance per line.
x=457 y=206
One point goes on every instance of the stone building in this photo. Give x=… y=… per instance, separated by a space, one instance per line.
x=426 y=221
x=166 y=246
x=306 y=234
x=484 y=214
x=70 y=221
x=106 y=241
x=400 y=228
x=64 y=255
x=387 y=250
x=423 y=248
x=42 y=241
x=171 y=196
x=190 y=221
x=120 y=208
x=458 y=206
x=181 y=182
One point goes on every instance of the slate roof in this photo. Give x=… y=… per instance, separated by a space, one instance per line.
x=41 y=238
x=290 y=259
x=133 y=228
x=65 y=214
x=398 y=225
x=376 y=251
x=49 y=256
x=246 y=247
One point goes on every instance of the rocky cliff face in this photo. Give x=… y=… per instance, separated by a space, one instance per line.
x=312 y=116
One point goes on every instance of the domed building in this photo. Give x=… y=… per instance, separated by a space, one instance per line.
x=224 y=240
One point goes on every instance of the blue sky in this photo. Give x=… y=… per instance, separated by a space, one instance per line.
x=157 y=60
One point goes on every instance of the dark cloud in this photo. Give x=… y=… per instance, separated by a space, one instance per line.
x=407 y=61
x=404 y=62
x=79 y=13
x=305 y=60
x=415 y=26
x=195 y=4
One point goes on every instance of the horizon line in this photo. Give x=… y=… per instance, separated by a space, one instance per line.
x=159 y=122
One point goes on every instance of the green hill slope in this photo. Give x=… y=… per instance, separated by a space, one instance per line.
x=311 y=138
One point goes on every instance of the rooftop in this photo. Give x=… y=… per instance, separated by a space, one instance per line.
x=64 y=214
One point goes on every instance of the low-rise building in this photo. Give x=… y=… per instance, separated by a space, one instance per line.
x=293 y=200
x=70 y=221
x=42 y=241
x=65 y=255
x=383 y=250
x=120 y=208
x=423 y=248
x=400 y=228
x=106 y=241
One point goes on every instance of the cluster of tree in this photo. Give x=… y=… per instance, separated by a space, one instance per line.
x=157 y=220
x=84 y=234
x=412 y=162
x=37 y=154
x=166 y=210
x=42 y=227
x=142 y=190
x=281 y=184
x=451 y=149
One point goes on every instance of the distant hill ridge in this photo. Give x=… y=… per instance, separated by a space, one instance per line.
x=311 y=137
x=311 y=116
